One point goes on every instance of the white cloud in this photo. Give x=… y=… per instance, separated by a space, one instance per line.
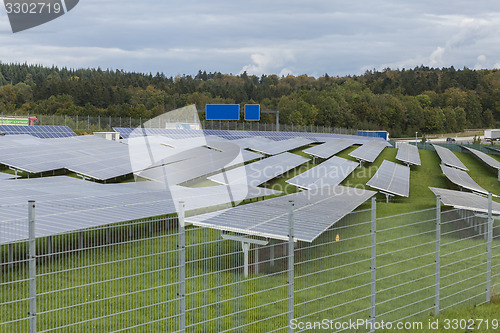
x=292 y=37
x=270 y=61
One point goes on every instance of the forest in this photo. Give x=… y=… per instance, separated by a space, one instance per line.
x=402 y=101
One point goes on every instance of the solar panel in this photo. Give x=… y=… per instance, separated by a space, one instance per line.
x=465 y=200
x=330 y=148
x=462 y=179
x=315 y=212
x=42 y=132
x=331 y=172
x=392 y=178
x=408 y=154
x=261 y=171
x=448 y=158
x=369 y=151
x=65 y=204
x=484 y=157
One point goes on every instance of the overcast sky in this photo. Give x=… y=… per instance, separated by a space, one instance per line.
x=262 y=37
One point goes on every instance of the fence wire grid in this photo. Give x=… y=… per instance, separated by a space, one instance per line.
x=158 y=275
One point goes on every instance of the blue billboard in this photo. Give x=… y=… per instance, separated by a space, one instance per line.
x=252 y=112
x=223 y=112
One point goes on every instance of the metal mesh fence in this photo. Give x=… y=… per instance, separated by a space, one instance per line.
x=154 y=275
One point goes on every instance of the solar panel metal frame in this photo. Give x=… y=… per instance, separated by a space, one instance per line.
x=315 y=211
x=331 y=172
x=392 y=178
x=448 y=158
x=408 y=154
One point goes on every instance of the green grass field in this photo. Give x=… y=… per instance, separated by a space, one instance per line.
x=133 y=280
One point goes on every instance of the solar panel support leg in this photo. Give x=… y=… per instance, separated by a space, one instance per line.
x=489 y=246
x=271 y=254
x=246 y=247
x=438 y=256
x=32 y=267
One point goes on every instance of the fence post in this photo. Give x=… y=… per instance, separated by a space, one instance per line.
x=32 y=267
x=290 y=264
x=88 y=122
x=77 y=122
x=373 y=263
x=438 y=256
x=182 y=270
x=490 y=241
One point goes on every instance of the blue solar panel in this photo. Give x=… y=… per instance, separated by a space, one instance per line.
x=42 y=132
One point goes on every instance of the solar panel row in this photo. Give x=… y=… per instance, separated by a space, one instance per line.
x=484 y=157
x=448 y=158
x=462 y=179
x=261 y=171
x=331 y=172
x=42 y=132
x=65 y=204
x=233 y=135
x=392 y=178
x=408 y=154
x=465 y=200
x=369 y=151
x=315 y=211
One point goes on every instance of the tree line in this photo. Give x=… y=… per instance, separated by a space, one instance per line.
x=423 y=99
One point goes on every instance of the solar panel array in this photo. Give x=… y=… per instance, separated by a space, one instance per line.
x=462 y=179
x=465 y=200
x=65 y=204
x=261 y=171
x=86 y=155
x=448 y=158
x=485 y=158
x=369 y=151
x=315 y=211
x=392 y=178
x=101 y=159
x=234 y=135
x=42 y=132
x=331 y=172
x=408 y=154
x=330 y=148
